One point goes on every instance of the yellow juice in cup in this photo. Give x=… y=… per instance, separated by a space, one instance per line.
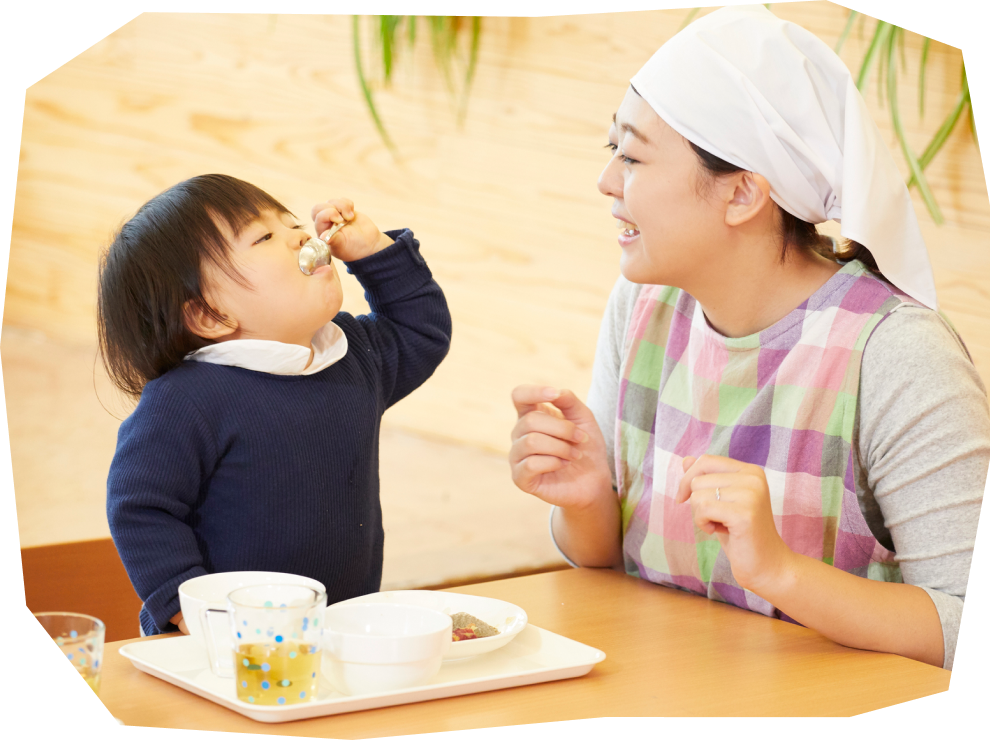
x=276 y=673
x=92 y=678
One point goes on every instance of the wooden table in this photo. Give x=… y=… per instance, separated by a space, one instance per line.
x=669 y=654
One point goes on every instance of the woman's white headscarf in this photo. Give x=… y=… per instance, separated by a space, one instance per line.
x=770 y=97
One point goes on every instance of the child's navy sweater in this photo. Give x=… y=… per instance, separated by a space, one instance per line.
x=221 y=468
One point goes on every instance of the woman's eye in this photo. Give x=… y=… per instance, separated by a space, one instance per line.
x=614 y=148
x=266 y=237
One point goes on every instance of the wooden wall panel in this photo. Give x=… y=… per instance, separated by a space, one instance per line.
x=84 y=577
x=506 y=207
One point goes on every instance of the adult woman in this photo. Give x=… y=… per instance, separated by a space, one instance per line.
x=778 y=423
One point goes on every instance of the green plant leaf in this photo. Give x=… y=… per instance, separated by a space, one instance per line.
x=900 y=47
x=690 y=17
x=969 y=102
x=845 y=31
x=388 y=25
x=411 y=27
x=895 y=116
x=439 y=33
x=880 y=36
x=881 y=78
x=472 y=65
x=922 y=68
x=942 y=135
x=365 y=89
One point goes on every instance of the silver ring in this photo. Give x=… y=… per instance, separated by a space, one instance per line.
x=718 y=496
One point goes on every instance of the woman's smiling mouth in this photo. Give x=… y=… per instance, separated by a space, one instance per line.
x=629 y=232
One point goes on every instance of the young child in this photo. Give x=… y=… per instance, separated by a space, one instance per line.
x=255 y=442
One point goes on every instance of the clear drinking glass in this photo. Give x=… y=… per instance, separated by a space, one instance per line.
x=80 y=637
x=276 y=631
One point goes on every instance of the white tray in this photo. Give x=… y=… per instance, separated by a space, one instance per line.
x=535 y=656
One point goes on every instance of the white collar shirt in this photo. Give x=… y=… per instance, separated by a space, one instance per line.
x=277 y=358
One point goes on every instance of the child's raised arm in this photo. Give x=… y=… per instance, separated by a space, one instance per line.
x=408 y=329
x=409 y=326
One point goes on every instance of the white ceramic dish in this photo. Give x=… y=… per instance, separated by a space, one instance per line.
x=508 y=618
x=382 y=647
x=535 y=656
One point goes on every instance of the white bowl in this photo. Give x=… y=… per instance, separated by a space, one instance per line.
x=210 y=592
x=373 y=648
x=508 y=618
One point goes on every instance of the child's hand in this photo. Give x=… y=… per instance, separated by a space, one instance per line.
x=359 y=237
x=179 y=622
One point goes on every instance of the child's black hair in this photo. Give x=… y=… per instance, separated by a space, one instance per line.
x=153 y=268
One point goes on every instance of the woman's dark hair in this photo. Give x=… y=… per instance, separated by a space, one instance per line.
x=793 y=231
x=153 y=267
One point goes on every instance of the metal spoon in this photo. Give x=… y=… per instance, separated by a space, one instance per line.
x=316 y=252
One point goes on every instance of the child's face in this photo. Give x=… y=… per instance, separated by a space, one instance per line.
x=282 y=304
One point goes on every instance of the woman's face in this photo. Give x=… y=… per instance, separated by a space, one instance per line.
x=282 y=303
x=669 y=230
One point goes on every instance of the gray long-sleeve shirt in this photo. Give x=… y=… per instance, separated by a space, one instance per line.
x=921 y=441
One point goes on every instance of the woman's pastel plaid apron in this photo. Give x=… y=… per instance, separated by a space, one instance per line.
x=784 y=399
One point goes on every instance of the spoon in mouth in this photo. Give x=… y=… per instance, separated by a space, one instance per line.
x=315 y=253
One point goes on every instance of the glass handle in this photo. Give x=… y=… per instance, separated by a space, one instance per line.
x=211 y=643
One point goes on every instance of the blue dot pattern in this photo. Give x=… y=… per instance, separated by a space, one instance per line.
x=281 y=700
x=265 y=685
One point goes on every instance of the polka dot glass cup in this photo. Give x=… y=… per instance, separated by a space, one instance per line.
x=80 y=637
x=276 y=631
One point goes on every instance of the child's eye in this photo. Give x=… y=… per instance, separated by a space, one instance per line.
x=266 y=237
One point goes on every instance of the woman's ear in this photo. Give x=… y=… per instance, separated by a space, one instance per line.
x=749 y=197
x=204 y=322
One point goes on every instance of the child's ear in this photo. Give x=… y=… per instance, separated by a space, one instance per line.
x=202 y=321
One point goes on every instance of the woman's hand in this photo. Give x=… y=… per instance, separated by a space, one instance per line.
x=740 y=517
x=359 y=237
x=558 y=452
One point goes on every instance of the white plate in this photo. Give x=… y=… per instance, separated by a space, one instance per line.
x=507 y=618
x=535 y=656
